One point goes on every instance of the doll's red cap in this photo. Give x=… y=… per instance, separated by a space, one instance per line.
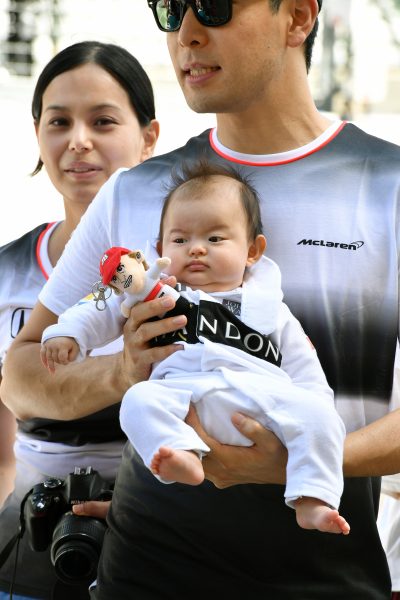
x=110 y=261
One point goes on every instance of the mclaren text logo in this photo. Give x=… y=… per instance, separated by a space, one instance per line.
x=352 y=246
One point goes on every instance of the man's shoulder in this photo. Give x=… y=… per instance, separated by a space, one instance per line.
x=360 y=141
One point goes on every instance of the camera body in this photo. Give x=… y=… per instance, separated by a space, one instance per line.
x=75 y=541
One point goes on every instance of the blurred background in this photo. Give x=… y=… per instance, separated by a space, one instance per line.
x=355 y=75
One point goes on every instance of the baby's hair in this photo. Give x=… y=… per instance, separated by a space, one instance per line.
x=201 y=172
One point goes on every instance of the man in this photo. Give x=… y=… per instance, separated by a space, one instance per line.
x=330 y=199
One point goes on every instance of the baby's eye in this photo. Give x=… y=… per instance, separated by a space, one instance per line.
x=215 y=238
x=179 y=240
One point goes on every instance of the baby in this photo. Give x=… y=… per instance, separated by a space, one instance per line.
x=242 y=349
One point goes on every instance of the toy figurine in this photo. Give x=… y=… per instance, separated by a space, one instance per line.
x=126 y=271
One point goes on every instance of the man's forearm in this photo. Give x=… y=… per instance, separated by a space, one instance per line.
x=73 y=391
x=79 y=389
x=374 y=450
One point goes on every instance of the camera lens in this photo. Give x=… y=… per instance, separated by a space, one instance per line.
x=76 y=548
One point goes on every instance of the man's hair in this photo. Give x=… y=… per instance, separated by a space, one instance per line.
x=202 y=172
x=309 y=45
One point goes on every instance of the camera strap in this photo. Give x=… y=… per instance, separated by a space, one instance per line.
x=5 y=553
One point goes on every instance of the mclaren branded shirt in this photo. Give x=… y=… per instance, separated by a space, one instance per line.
x=24 y=268
x=330 y=212
x=44 y=447
x=23 y=274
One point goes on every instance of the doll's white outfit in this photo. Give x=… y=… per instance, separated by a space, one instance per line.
x=293 y=399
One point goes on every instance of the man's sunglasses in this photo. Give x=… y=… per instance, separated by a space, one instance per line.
x=211 y=13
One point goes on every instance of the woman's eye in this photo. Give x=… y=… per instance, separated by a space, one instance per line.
x=119 y=269
x=59 y=122
x=104 y=121
x=114 y=279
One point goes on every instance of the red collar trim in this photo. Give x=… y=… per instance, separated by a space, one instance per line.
x=38 y=249
x=154 y=292
x=273 y=163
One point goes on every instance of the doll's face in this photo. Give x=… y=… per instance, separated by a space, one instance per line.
x=129 y=276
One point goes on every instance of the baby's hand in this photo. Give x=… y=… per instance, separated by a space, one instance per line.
x=60 y=350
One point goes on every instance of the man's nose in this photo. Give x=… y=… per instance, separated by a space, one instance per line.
x=192 y=32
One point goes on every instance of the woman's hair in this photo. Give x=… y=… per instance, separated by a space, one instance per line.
x=117 y=61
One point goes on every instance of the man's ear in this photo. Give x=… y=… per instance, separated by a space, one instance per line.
x=256 y=250
x=150 y=136
x=304 y=14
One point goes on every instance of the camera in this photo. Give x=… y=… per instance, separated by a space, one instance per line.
x=75 y=541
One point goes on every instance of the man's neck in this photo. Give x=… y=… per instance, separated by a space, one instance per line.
x=269 y=127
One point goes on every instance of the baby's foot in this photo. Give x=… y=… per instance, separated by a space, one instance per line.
x=312 y=513
x=183 y=466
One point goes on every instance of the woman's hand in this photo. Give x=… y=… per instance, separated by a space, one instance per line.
x=92 y=508
x=264 y=462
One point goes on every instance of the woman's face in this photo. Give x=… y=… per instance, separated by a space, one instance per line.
x=87 y=130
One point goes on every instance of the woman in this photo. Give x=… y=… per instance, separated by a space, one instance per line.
x=93 y=111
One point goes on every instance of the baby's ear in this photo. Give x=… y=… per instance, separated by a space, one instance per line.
x=159 y=248
x=256 y=250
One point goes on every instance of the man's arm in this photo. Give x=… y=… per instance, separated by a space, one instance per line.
x=77 y=390
x=264 y=462
x=373 y=450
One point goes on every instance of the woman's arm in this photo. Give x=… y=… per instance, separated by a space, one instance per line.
x=77 y=390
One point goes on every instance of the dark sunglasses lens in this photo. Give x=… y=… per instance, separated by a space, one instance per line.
x=169 y=14
x=213 y=12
